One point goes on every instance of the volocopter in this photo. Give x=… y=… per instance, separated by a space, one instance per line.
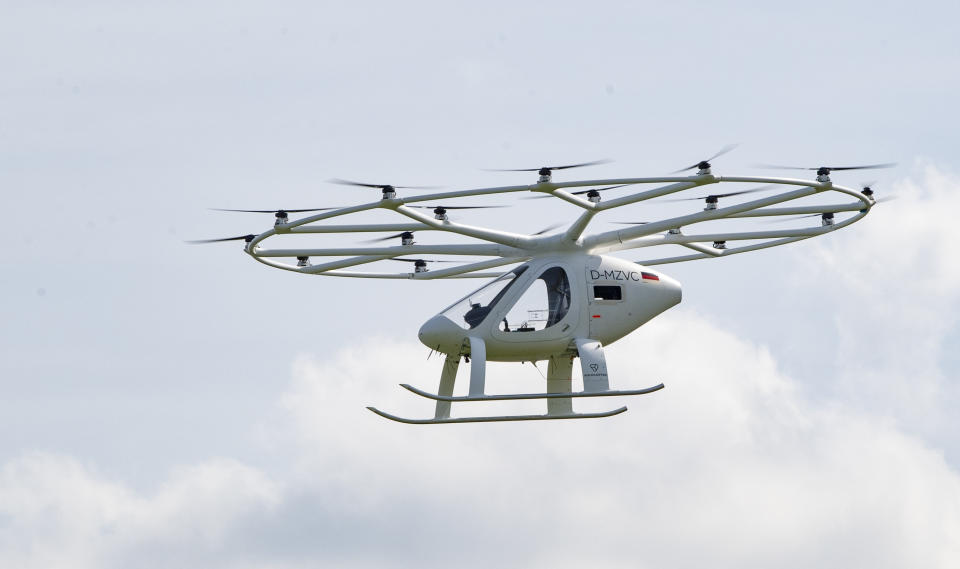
x=566 y=296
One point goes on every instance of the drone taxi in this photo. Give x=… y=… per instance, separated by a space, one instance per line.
x=558 y=295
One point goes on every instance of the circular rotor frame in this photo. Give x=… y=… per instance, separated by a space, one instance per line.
x=509 y=248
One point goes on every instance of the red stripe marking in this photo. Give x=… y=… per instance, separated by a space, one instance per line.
x=650 y=276
x=596 y=316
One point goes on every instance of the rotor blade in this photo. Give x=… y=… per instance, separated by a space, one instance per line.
x=380 y=186
x=549 y=228
x=350 y=183
x=387 y=238
x=581 y=192
x=780 y=167
x=564 y=167
x=457 y=206
x=867 y=167
x=831 y=168
x=510 y=169
x=424 y=260
x=886 y=199
x=582 y=164
x=723 y=151
x=273 y=210
x=793 y=218
x=599 y=189
x=727 y=195
x=238 y=238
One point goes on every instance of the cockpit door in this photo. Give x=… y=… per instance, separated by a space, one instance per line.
x=544 y=310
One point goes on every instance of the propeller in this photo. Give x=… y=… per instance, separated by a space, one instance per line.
x=599 y=189
x=420 y=265
x=247 y=238
x=546 y=170
x=440 y=211
x=712 y=198
x=446 y=207
x=705 y=164
x=423 y=260
x=549 y=228
x=385 y=187
x=866 y=188
x=280 y=214
x=276 y=212
x=827 y=215
x=390 y=237
x=581 y=192
x=825 y=170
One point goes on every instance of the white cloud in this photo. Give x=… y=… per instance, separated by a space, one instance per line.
x=893 y=285
x=57 y=512
x=729 y=466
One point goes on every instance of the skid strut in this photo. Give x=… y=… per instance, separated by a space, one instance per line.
x=559 y=395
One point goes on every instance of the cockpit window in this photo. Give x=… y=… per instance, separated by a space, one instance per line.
x=545 y=302
x=607 y=292
x=470 y=311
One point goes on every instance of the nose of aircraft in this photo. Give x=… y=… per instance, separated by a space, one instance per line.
x=441 y=334
x=673 y=289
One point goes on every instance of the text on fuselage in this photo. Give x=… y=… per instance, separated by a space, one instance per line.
x=615 y=275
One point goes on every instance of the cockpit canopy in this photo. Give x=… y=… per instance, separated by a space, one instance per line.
x=544 y=302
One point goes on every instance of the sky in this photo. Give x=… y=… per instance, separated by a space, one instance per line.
x=173 y=405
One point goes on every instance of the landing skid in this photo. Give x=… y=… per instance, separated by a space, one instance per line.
x=559 y=394
x=507 y=397
x=496 y=418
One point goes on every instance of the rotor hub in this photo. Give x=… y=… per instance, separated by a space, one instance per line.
x=406 y=238
x=593 y=196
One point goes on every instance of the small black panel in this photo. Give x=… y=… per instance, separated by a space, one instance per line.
x=607 y=292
